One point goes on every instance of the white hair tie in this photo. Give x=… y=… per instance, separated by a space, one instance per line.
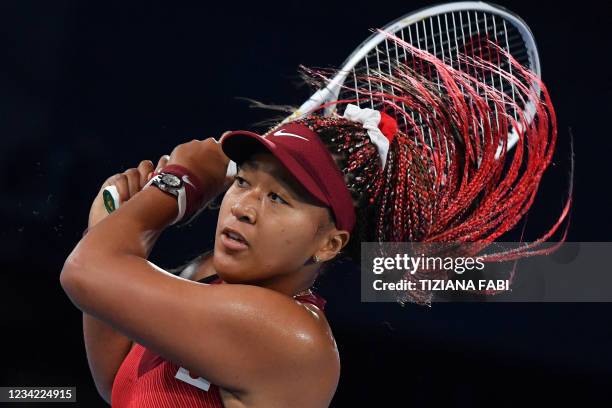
x=370 y=119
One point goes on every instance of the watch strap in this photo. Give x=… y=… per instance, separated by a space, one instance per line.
x=180 y=196
x=189 y=196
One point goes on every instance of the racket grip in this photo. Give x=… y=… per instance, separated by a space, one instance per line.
x=111 y=198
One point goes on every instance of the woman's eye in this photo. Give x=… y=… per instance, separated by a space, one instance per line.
x=274 y=195
x=239 y=180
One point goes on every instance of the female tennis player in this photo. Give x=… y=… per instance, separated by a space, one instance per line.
x=241 y=328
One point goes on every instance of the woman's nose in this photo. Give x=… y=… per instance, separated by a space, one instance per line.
x=243 y=212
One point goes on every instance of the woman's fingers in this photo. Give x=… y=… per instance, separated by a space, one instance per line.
x=162 y=162
x=133 y=178
x=145 y=168
x=121 y=182
x=131 y=181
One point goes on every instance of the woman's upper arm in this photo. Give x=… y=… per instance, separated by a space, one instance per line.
x=106 y=349
x=232 y=335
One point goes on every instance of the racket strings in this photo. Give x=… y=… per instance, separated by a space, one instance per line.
x=447 y=36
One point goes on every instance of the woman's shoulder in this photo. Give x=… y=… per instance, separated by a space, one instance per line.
x=304 y=340
x=313 y=341
x=326 y=360
x=302 y=325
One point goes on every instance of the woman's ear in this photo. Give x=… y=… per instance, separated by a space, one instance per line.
x=334 y=242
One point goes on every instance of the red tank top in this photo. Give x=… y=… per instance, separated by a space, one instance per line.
x=146 y=380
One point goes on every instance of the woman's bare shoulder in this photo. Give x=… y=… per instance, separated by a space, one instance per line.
x=303 y=326
x=316 y=316
x=297 y=338
x=314 y=345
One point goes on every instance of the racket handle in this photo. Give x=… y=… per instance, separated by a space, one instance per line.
x=111 y=198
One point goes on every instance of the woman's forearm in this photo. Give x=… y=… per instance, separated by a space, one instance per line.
x=128 y=233
x=134 y=228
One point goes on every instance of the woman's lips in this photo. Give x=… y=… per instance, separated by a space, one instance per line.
x=232 y=244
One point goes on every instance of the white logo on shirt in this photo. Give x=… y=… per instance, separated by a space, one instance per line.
x=183 y=375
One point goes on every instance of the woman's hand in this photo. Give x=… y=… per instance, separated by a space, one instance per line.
x=205 y=158
x=128 y=184
x=207 y=161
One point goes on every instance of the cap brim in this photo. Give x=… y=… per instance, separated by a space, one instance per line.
x=241 y=144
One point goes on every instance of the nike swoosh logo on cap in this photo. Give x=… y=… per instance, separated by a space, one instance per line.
x=283 y=133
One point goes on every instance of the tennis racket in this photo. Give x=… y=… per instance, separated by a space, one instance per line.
x=446 y=31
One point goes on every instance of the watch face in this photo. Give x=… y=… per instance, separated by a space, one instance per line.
x=171 y=180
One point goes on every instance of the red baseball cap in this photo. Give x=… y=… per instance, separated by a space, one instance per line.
x=303 y=153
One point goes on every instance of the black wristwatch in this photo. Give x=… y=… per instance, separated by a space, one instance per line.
x=170 y=183
x=174 y=185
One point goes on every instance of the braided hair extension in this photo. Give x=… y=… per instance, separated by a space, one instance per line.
x=455 y=182
x=391 y=203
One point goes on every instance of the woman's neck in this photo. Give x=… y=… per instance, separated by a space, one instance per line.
x=289 y=287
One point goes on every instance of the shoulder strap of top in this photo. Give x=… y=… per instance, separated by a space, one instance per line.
x=313 y=298
x=210 y=279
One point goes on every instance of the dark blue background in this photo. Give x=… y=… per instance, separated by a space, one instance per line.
x=89 y=89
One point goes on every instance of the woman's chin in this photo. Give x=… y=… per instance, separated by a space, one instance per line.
x=229 y=267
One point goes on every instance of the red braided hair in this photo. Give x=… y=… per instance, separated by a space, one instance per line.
x=449 y=176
